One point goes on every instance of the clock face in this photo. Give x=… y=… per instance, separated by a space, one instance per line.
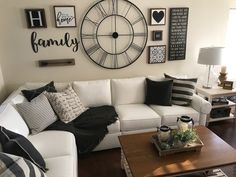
x=114 y=33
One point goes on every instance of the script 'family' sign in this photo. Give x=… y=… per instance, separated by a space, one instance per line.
x=178 y=33
x=65 y=41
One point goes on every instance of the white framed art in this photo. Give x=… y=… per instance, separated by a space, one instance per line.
x=65 y=16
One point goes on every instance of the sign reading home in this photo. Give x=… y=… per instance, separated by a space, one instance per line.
x=178 y=33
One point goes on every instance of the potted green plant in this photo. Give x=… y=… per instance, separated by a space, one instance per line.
x=182 y=138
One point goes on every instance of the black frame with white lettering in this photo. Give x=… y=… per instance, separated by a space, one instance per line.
x=34 y=23
x=73 y=14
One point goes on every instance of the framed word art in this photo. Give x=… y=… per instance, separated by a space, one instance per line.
x=158 y=16
x=157 y=54
x=65 y=16
x=35 y=18
x=178 y=27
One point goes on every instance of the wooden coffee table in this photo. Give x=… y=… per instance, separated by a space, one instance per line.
x=140 y=157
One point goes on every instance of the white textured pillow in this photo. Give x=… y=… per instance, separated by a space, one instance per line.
x=128 y=91
x=12 y=120
x=66 y=104
x=38 y=114
x=93 y=93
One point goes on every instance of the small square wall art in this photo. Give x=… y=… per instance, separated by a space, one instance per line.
x=65 y=16
x=157 y=54
x=158 y=16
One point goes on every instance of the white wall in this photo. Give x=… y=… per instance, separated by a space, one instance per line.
x=207 y=26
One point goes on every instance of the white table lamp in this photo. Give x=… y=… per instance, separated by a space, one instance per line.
x=210 y=56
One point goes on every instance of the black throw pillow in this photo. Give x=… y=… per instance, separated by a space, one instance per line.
x=15 y=144
x=31 y=94
x=159 y=92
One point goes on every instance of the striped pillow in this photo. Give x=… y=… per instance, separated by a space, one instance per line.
x=183 y=90
x=38 y=114
x=13 y=166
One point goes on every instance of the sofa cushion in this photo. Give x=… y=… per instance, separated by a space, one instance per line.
x=38 y=113
x=128 y=91
x=60 y=166
x=183 y=90
x=137 y=117
x=159 y=92
x=169 y=114
x=114 y=128
x=31 y=94
x=51 y=146
x=12 y=120
x=17 y=144
x=13 y=166
x=93 y=93
x=66 y=104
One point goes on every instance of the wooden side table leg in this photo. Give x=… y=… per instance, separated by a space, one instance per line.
x=122 y=160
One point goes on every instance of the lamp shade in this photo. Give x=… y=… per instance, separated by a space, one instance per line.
x=211 y=55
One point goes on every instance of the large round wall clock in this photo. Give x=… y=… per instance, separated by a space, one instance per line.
x=114 y=33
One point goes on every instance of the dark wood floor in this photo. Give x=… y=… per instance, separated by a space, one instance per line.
x=107 y=163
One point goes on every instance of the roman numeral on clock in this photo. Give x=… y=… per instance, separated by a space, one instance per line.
x=91 y=21
x=101 y=10
x=114 y=6
x=93 y=49
x=136 y=47
x=103 y=58
x=88 y=36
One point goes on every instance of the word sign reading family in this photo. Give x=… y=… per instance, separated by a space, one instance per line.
x=66 y=41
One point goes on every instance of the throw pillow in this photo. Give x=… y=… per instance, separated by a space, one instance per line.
x=31 y=94
x=183 y=90
x=38 y=114
x=159 y=92
x=16 y=144
x=13 y=166
x=66 y=104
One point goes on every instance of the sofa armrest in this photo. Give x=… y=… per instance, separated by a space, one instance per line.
x=201 y=105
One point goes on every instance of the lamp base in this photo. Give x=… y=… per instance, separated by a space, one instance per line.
x=206 y=87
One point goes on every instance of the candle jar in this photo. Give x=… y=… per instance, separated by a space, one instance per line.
x=185 y=123
x=164 y=133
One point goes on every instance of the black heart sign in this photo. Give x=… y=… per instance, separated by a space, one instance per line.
x=158 y=16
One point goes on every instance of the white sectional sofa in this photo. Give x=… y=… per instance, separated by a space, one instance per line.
x=127 y=96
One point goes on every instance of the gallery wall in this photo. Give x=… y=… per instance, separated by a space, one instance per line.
x=206 y=27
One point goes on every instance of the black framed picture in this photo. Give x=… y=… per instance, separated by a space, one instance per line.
x=158 y=16
x=157 y=54
x=35 y=18
x=157 y=35
x=65 y=16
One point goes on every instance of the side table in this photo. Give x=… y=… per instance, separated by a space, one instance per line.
x=216 y=92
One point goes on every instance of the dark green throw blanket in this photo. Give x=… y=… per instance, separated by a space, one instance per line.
x=89 y=128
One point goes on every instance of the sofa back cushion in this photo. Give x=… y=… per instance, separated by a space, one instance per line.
x=11 y=119
x=93 y=93
x=128 y=91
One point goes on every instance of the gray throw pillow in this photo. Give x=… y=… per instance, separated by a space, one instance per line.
x=66 y=104
x=38 y=114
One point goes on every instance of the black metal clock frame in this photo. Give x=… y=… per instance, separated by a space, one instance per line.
x=114 y=34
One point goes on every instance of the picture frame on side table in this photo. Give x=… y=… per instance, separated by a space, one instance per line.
x=157 y=35
x=228 y=85
x=157 y=54
x=35 y=18
x=158 y=16
x=65 y=16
